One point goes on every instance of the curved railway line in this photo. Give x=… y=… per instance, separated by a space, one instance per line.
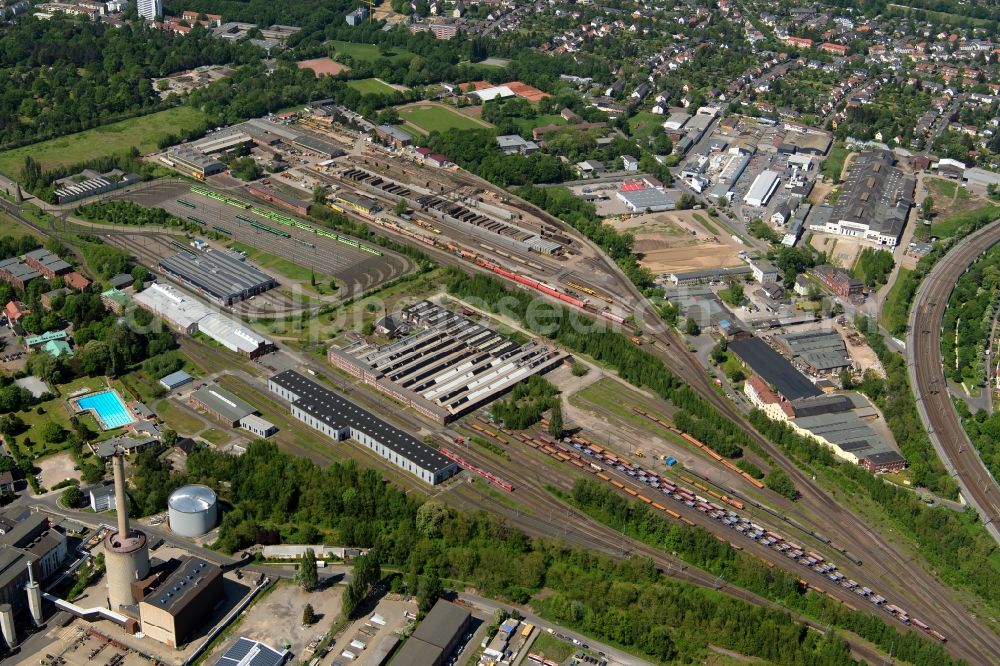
x=930 y=388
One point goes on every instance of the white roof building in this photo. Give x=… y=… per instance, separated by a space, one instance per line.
x=192 y=316
x=490 y=94
x=763 y=187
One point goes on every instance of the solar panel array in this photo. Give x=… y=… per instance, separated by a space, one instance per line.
x=246 y=652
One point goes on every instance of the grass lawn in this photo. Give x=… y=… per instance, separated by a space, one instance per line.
x=552 y=648
x=371 y=87
x=890 y=318
x=142 y=132
x=278 y=265
x=178 y=419
x=528 y=124
x=56 y=411
x=834 y=163
x=946 y=189
x=703 y=221
x=367 y=52
x=951 y=225
x=438 y=118
x=215 y=436
x=11 y=227
x=643 y=124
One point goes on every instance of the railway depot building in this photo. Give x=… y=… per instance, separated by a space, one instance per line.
x=446 y=365
x=340 y=419
x=188 y=316
x=219 y=275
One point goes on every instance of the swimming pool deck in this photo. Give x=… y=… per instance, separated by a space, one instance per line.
x=96 y=410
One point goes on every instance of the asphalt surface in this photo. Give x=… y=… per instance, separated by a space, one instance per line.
x=923 y=355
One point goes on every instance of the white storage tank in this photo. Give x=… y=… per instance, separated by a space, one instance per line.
x=193 y=510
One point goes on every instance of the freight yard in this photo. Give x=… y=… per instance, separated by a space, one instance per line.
x=445 y=364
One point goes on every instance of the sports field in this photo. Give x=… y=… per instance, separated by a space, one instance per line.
x=371 y=87
x=367 y=52
x=143 y=133
x=438 y=118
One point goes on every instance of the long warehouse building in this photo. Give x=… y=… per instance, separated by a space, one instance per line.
x=340 y=419
x=219 y=275
x=763 y=187
x=190 y=316
x=446 y=365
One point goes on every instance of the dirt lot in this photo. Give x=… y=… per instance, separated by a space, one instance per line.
x=277 y=618
x=677 y=241
x=842 y=251
x=55 y=469
x=820 y=192
x=393 y=610
x=322 y=66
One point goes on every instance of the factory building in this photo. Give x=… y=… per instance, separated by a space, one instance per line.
x=359 y=203
x=775 y=369
x=340 y=419
x=448 y=366
x=819 y=351
x=190 y=316
x=874 y=202
x=230 y=409
x=181 y=603
x=294 y=204
x=436 y=636
x=198 y=164
x=702 y=275
x=17 y=273
x=762 y=188
x=45 y=544
x=222 y=276
x=646 y=200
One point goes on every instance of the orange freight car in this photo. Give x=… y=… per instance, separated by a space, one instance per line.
x=686 y=479
x=602 y=475
x=686 y=520
x=673 y=513
x=659 y=506
x=617 y=484
x=631 y=492
x=476 y=426
x=645 y=499
x=736 y=546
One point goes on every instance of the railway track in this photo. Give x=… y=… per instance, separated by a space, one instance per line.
x=533 y=495
x=923 y=356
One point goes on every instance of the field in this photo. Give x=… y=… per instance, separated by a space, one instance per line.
x=323 y=66
x=371 y=87
x=528 y=124
x=292 y=271
x=833 y=165
x=551 y=647
x=142 y=133
x=949 y=226
x=367 y=52
x=890 y=318
x=644 y=123
x=438 y=118
x=666 y=243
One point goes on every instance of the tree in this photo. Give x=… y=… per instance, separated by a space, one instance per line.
x=170 y=437
x=306 y=577
x=430 y=516
x=400 y=207
x=733 y=294
x=846 y=379
x=71 y=497
x=308 y=615
x=691 y=327
x=778 y=481
x=429 y=591
x=52 y=432
x=556 y=421
x=927 y=207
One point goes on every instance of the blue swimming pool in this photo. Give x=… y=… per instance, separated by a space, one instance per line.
x=108 y=407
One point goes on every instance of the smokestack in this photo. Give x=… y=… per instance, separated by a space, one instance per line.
x=121 y=501
x=34 y=598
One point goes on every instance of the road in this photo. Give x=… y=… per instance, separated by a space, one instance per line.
x=923 y=357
